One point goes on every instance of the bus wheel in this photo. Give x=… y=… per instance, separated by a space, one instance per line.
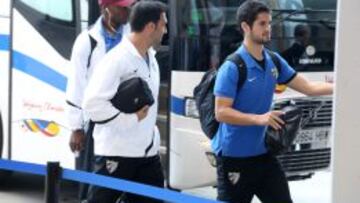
x=3 y=173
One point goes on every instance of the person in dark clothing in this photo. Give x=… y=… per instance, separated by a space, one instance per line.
x=297 y=49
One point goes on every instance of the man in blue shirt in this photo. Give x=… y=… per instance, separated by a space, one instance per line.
x=244 y=166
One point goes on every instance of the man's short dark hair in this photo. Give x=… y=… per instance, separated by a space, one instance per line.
x=145 y=12
x=248 y=11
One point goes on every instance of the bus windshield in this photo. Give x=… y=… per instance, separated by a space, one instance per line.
x=205 y=32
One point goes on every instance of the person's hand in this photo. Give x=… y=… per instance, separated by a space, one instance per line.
x=142 y=113
x=77 y=140
x=271 y=118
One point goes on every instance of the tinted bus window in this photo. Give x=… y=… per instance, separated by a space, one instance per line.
x=304 y=33
x=53 y=19
x=203 y=33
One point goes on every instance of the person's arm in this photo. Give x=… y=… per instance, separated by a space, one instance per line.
x=101 y=89
x=75 y=92
x=310 y=88
x=299 y=83
x=224 y=112
x=76 y=82
x=225 y=90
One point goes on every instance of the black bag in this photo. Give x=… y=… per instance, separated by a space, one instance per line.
x=205 y=99
x=204 y=96
x=132 y=95
x=279 y=141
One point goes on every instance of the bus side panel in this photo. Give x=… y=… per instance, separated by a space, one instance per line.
x=4 y=73
x=39 y=82
x=189 y=165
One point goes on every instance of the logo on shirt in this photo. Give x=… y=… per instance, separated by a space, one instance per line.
x=111 y=166
x=234 y=177
x=252 y=79
x=136 y=100
x=275 y=72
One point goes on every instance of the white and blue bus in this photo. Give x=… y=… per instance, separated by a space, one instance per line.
x=36 y=37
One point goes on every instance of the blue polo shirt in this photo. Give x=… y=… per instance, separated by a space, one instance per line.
x=111 y=40
x=254 y=97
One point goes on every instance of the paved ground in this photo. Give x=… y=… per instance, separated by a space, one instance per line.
x=22 y=188
x=317 y=189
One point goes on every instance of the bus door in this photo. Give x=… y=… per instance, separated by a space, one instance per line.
x=42 y=37
x=202 y=34
x=4 y=75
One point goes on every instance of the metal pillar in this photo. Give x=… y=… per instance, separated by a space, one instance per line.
x=52 y=184
x=346 y=142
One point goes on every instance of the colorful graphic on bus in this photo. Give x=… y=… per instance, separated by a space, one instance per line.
x=48 y=128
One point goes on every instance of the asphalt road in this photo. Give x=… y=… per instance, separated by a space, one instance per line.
x=24 y=188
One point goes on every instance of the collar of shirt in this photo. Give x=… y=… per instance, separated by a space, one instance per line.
x=250 y=61
x=111 y=40
x=130 y=47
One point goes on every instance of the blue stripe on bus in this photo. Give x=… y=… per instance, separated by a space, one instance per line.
x=177 y=105
x=4 y=42
x=39 y=71
x=46 y=74
x=34 y=67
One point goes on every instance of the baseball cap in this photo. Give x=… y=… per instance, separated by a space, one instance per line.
x=122 y=3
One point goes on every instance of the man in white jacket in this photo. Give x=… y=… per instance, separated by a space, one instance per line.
x=89 y=48
x=127 y=145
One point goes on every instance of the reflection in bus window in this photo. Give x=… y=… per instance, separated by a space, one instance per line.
x=304 y=33
x=206 y=32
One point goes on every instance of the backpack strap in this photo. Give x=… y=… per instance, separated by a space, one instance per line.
x=93 y=44
x=240 y=64
x=275 y=60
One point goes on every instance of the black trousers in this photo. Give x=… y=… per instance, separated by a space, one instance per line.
x=85 y=161
x=239 y=179
x=146 y=170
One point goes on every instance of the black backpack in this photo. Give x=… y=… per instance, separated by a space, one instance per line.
x=204 y=96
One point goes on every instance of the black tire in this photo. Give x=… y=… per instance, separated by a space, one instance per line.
x=3 y=173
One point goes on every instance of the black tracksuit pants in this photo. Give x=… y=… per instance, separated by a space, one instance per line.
x=147 y=170
x=239 y=179
x=85 y=161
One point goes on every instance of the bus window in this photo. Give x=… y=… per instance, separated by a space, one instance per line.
x=54 y=20
x=206 y=33
x=304 y=34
